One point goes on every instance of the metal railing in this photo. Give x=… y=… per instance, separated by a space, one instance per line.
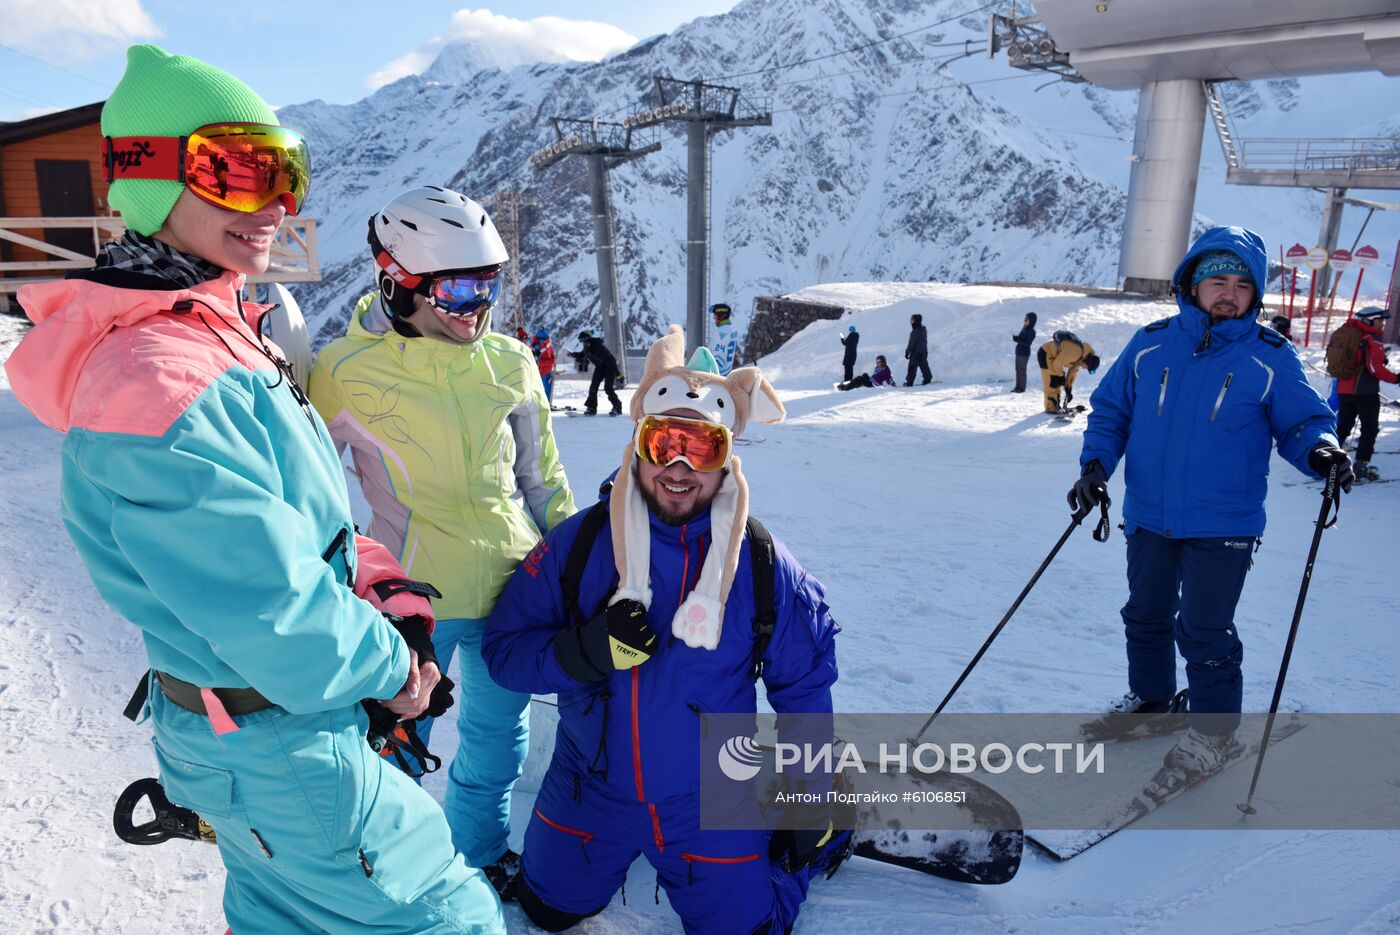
x=1342 y=154
x=294 y=253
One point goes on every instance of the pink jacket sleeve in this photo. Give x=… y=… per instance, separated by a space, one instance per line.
x=374 y=563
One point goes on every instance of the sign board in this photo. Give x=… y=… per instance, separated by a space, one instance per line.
x=1340 y=260
x=1296 y=256
x=1367 y=257
x=1317 y=258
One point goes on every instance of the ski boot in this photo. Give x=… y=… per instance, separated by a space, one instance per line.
x=1195 y=757
x=1128 y=718
x=501 y=875
x=1366 y=471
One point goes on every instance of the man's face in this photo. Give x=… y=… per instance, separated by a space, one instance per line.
x=1225 y=296
x=678 y=493
x=434 y=323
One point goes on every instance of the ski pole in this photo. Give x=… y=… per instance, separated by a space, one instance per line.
x=1101 y=533
x=1329 y=498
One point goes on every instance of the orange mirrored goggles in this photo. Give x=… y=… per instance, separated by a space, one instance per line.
x=240 y=166
x=664 y=440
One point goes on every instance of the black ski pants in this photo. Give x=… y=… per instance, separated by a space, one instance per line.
x=1366 y=409
x=1021 y=361
x=604 y=377
x=918 y=362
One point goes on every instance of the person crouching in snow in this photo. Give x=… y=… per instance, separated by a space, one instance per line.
x=640 y=614
x=881 y=376
x=1060 y=359
x=207 y=501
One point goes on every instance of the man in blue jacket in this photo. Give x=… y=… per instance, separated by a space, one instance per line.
x=636 y=686
x=1194 y=404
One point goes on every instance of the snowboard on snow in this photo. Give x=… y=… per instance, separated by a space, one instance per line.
x=1062 y=845
x=989 y=854
x=1068 y=413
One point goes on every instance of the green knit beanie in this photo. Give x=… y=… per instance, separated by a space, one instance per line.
x=170 y=95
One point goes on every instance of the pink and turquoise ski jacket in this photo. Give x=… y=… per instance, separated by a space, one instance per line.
x=203 y=493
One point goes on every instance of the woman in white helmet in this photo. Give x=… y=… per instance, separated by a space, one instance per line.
x=450 y=432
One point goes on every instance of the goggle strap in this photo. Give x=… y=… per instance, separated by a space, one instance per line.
x=396 y=272
x=159 y=158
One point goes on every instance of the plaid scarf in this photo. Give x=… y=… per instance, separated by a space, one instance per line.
x=148 y=256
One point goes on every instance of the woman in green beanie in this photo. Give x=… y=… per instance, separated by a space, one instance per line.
x=206 y=499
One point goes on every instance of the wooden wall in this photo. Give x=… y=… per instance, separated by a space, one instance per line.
x=19 y=183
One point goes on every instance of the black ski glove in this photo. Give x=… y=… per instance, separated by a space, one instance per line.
x=1069 y=395
x=1090 y=490
x=1056 y=382
x=414 y=631
x=1323 y=456
x=802 y=847
x=441 y=699
x=617 y=639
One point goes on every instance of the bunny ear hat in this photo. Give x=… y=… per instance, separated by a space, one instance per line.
x=670 y=383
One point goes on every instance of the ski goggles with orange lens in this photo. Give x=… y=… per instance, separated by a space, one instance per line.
x=465 y=293
x=239 y=166
x=664 y=440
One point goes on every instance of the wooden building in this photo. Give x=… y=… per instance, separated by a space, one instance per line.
x=51 y=167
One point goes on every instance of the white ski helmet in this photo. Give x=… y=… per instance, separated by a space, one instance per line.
x=426 y=231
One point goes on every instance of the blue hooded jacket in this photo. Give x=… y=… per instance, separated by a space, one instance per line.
x=639 y=730
x=1195 y=409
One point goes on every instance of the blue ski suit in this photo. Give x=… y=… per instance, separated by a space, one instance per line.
x=1195 y=409
x=626 y=767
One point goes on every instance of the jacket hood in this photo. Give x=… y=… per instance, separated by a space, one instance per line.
x=369 y=320
x=1030 y=317
x=71 y=318
x=1244 y=244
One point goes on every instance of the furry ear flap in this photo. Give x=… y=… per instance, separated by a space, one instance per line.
x=764 y=404
x=668 y=352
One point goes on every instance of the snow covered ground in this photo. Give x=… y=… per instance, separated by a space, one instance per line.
x=923 y=511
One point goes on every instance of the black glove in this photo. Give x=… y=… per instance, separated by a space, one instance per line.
x=796 y=849
x=1089 y=490
x=441 y=698
x=617 y=639
x=1323 y=456
x=1069 y=394
x=1057 y=382
x=414 y=631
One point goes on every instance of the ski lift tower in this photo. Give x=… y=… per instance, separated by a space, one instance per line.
x=706 y=109
x=607 y=145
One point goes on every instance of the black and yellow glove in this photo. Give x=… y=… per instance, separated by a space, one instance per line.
x=615 y=640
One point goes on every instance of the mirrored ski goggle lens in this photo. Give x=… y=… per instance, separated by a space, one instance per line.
x=245 y=167
x=705 y=446
x=463 y=295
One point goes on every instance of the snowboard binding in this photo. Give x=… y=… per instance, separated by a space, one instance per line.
x=170 y=821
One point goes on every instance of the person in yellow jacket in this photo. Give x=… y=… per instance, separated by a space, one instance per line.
x=450 y=432
x=1060 y=359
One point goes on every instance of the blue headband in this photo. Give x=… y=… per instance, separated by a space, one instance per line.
x=1219 y=263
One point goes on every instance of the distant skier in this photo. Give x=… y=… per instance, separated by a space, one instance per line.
x=1356 y=357
x=1193 y=402
x=1060 y=359
x=604 y=374
x=203 y=494
x=544 y=357
x=1024 y=339
x=1283 y=325
x=850 y=341
x=916 y=351
x=880 y=377
x=726 y=342
x=655 y=629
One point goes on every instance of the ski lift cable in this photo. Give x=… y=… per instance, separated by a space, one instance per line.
x=100 y=84
x=865 y=45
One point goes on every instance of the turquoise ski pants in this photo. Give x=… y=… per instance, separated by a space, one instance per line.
x=316 y=832
x=493 y=736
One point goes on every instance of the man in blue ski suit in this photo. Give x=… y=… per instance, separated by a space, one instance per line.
x=635 y=690
x=1194 y=403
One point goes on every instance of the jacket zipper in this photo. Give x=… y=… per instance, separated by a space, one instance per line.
x=1162 y=396
x=583 y=836
x=338 y=544
x=1221 y=398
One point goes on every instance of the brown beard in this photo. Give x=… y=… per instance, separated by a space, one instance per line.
x=665 y=512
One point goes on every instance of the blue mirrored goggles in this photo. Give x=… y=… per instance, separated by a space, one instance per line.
x=465 y=293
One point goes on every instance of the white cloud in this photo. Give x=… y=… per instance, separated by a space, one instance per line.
x=83 y=29
x=500 y=41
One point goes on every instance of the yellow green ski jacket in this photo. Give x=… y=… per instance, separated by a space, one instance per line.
x=453 y=448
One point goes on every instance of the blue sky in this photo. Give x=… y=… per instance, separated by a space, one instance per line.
x=295 y=50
